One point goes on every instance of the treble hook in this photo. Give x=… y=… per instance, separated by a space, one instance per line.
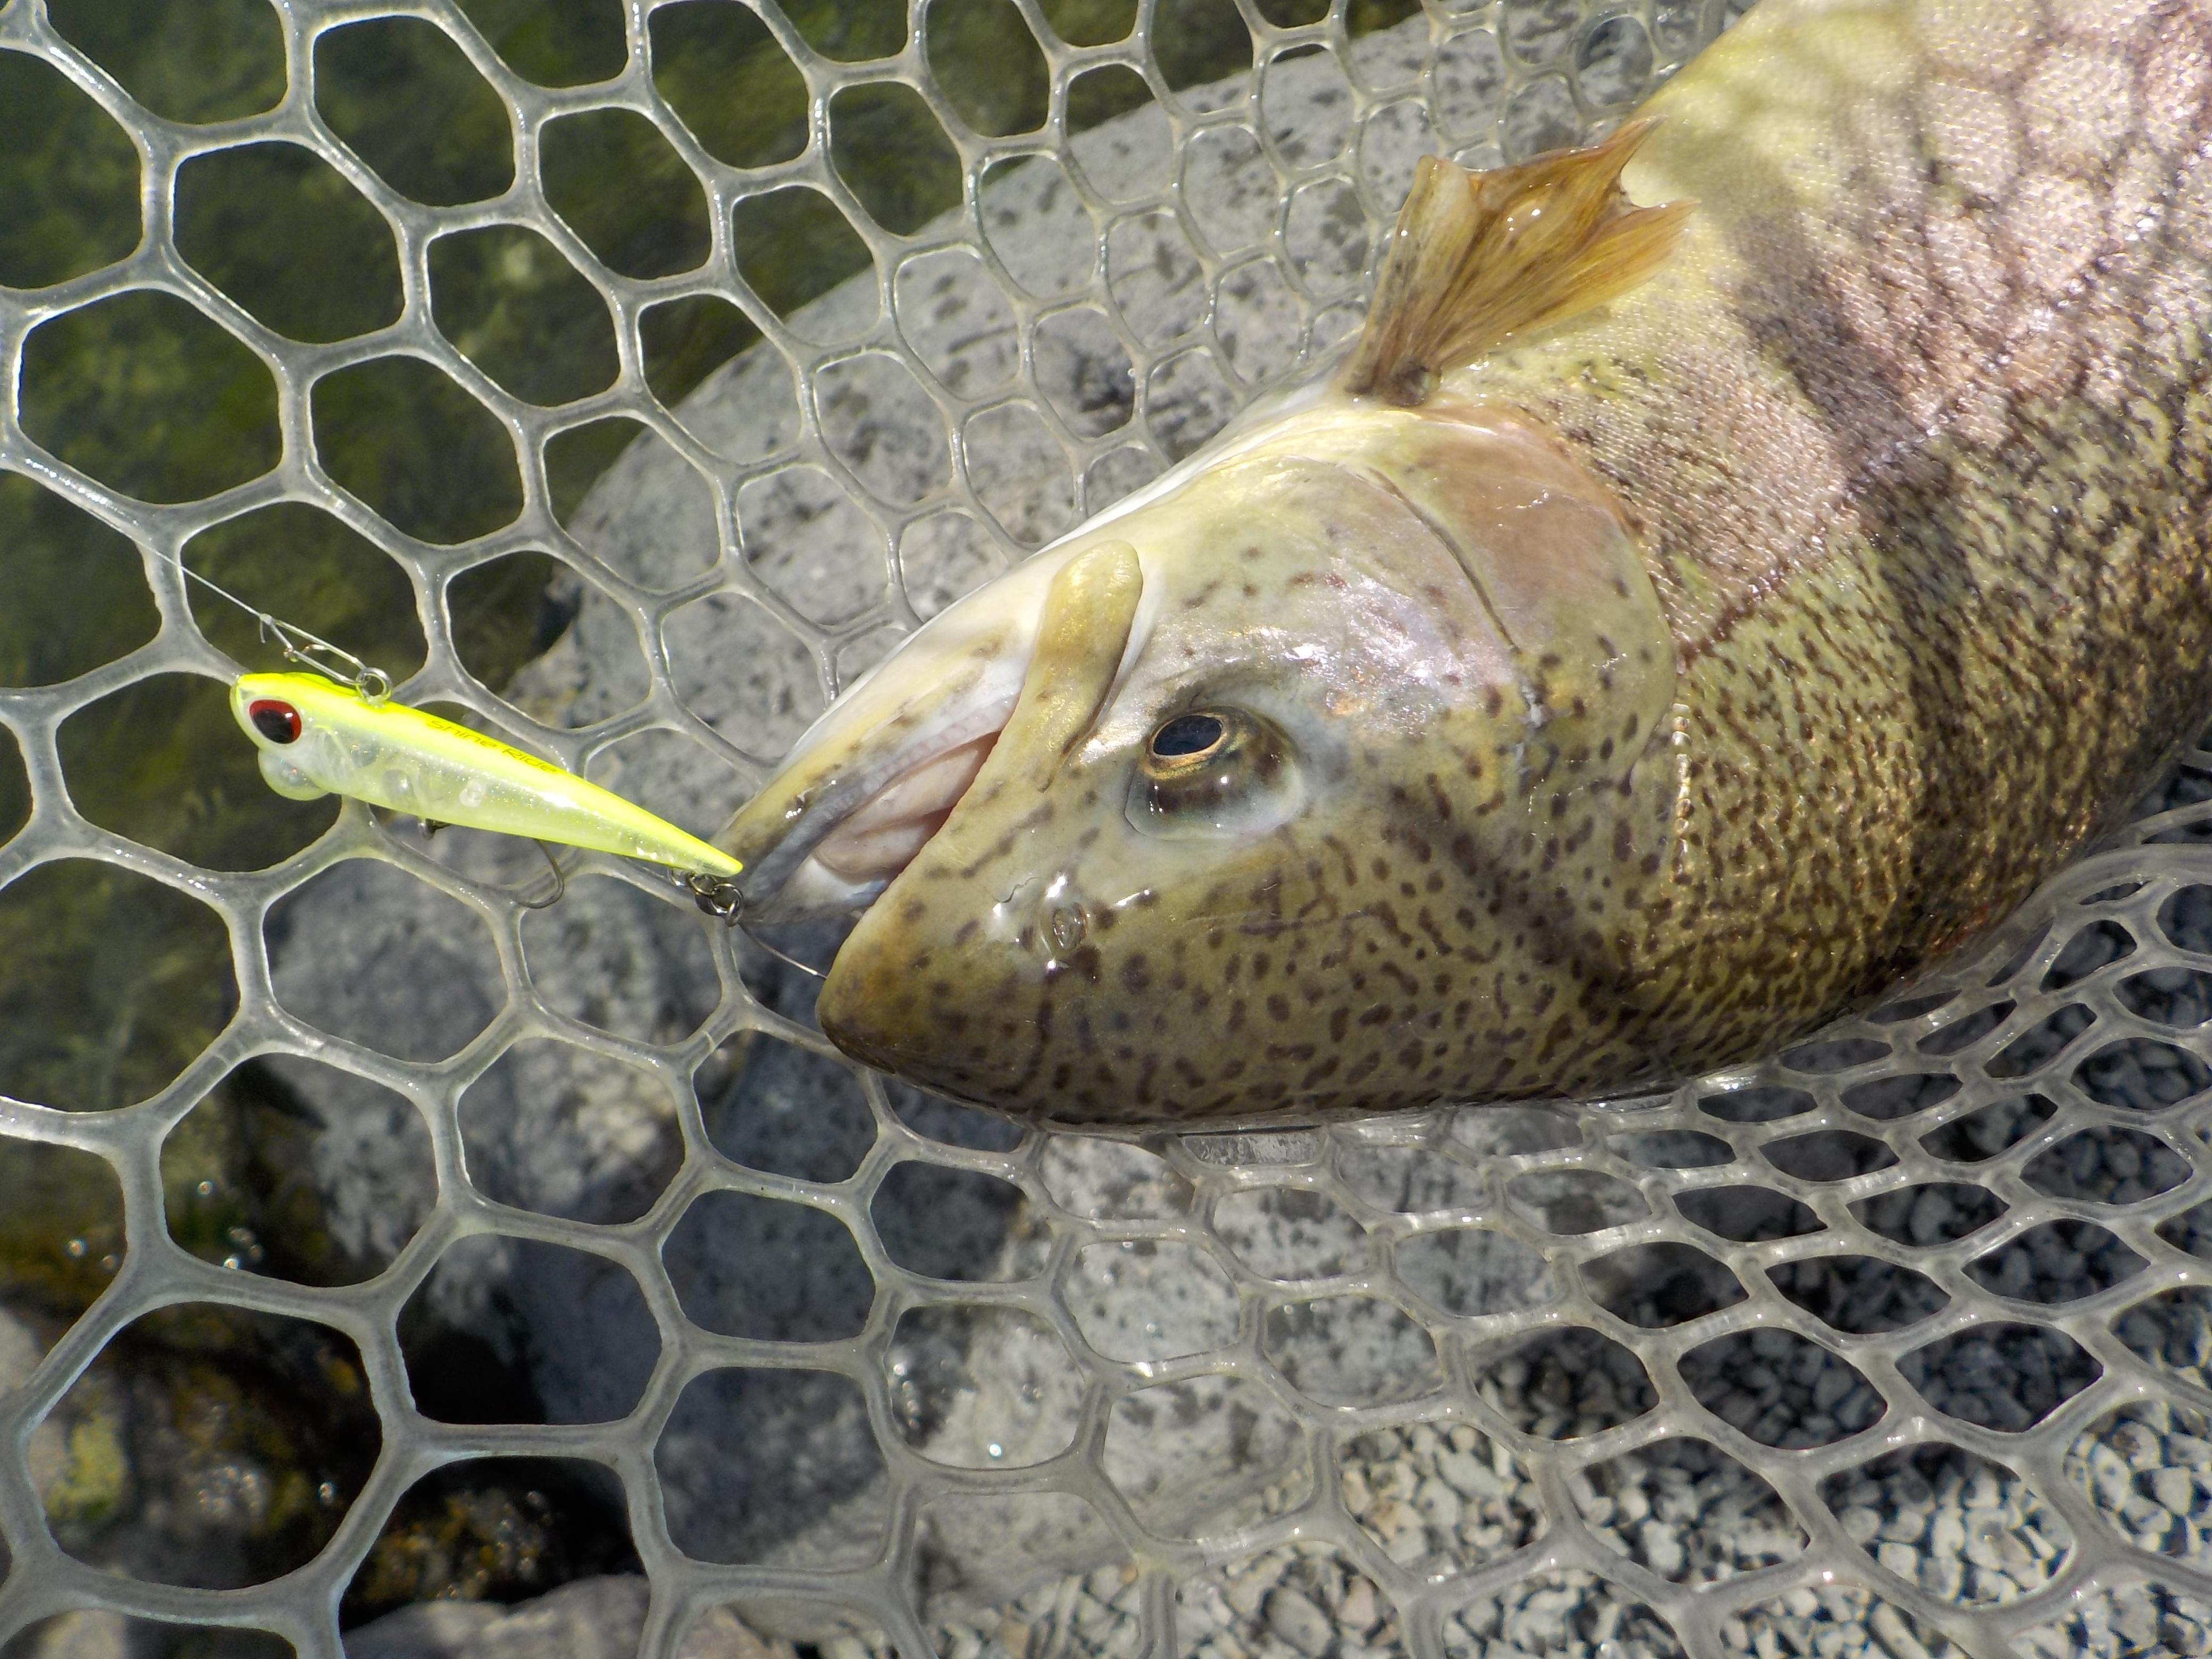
x=560 y=882
x=719 y=896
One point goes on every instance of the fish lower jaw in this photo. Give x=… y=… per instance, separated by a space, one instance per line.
x=815 y=890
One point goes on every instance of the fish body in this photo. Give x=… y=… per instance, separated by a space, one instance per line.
x=317 y=737
x=1644 y=650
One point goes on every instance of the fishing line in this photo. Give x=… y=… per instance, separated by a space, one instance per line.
x=295 y=643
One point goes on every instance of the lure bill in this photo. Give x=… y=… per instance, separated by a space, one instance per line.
x=317 y=737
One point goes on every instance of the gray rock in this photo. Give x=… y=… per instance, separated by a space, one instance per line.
x=1299 y=1622
x=589 y=1619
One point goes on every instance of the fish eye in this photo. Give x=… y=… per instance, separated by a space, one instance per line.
x=1212 y=772
x=1188 y=736
x=279 y=722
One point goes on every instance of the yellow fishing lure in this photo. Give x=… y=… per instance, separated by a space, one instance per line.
x=319 y=737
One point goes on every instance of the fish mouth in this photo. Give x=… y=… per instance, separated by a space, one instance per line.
x=816 y=845
x=874 y=781
x=864 y=789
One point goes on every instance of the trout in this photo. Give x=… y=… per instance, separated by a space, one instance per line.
x=1667 y=630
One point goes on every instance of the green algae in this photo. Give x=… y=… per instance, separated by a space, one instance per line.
x=212 y=1447
x=61 y=1230
x=95 y=1479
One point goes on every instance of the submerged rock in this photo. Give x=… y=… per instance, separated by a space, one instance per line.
x=588 y=1619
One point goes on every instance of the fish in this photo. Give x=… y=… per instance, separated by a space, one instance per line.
x=314 y=737
x=1735 y=563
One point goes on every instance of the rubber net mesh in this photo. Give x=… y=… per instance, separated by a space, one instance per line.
x=1899 y=1340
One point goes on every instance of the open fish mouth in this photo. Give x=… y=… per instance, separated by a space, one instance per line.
x=868 y=787
x=881 y=836
x=872 y=781
x=852 y=810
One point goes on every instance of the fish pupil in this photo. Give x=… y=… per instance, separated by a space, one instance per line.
x=1186 y=734
x=279 y=722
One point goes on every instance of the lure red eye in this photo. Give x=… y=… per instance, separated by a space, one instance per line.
x=279 y=722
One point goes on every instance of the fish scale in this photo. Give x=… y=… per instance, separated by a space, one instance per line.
x=1905 y=442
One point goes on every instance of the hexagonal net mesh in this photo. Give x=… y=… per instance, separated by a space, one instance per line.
x=1898 y=1342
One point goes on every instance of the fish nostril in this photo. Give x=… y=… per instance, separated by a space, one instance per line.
x=1067 y=922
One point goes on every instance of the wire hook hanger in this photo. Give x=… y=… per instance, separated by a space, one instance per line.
x=295 y=643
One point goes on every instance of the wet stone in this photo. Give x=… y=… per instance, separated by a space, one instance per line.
x=1439 y=1499
x=1685 y=1510
x=1258 y=1604
x=2006 y=1376
x=1287 y=1234
x=1557 y=1612
x=211 y=1447
x=1859 y=1295
x=1563 y=1383
x=1963 y=1527
x=1780 y=1389
x=494 y=1529
x=1167 y=1454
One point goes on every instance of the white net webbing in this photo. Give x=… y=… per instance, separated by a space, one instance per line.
x=1899 y=1343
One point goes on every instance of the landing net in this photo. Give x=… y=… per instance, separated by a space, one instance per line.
x=1896 y=1344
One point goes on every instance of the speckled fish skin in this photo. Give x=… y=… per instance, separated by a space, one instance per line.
x=1864 y=581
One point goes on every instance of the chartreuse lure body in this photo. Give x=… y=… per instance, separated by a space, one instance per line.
x=319 y=737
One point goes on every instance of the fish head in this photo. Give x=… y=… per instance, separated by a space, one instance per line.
x=1227 y=810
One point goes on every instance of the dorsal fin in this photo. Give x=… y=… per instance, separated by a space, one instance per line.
x=1478 y=256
